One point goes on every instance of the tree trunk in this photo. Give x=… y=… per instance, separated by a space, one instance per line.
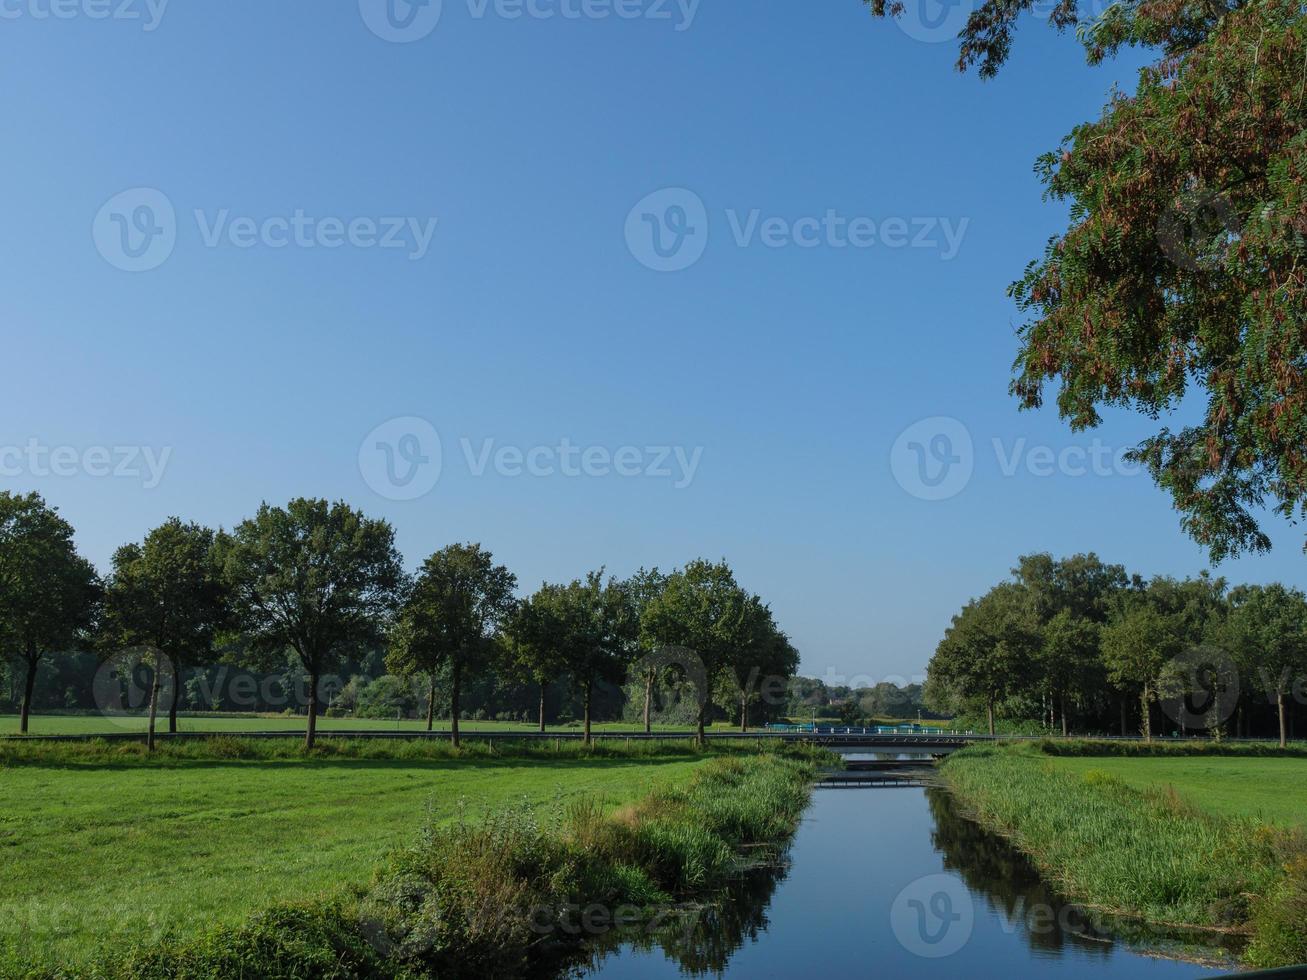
x=648 y=699
x=29 y=688
x=311 y=733
x=1146 y=719
x=176 y=697
x=588 y=687
x=154 y=701
x=1125 y=727
x=699 y=737
x=1284 y=730
x=1065 y=729
x=989 y=708
x=431 y=703
x=543 y=687
x=455 y=690
x=744 y=712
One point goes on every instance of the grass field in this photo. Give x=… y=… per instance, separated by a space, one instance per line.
x=93 y=724
x=135 y=849
x=1270 y=790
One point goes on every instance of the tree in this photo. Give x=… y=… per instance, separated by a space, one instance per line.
x=533 y=641
x=1069 y=658
x=315 y=578
x=590 y=620
x=48 y=592
x=765 y=653
x=1180 y=274
x=1267 y=629
x=989 y=650
x=166 y=595
x=701 y=608
x=1139 y=645
x=642 y=588
x=451 y=618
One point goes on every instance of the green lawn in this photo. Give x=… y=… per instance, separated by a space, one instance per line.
x=92 y=724
x=91 y=854
x=1274 y=790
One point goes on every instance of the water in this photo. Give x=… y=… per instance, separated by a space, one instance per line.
x=892 y=882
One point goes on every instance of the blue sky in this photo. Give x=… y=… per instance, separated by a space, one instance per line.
x=798 y=339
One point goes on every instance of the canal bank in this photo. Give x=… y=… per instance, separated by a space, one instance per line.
x=1149 y=853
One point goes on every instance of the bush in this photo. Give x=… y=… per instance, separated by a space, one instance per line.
x=1280 y=921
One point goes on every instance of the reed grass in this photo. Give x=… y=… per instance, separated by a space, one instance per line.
x=1144 y=853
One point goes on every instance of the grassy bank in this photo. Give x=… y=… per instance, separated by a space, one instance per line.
x=497 y=893
x=98 y=724
x=102 y=844
x=1144 y=850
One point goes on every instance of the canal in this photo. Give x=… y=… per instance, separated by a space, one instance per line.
x=893 y=881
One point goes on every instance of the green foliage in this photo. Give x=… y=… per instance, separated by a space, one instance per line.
x=317 y=578
x=294 y=942
x=451 y=617
x=703 y=610
x=1181 y=270
x=48 y=592
x=990 y=648
x=1279 y=933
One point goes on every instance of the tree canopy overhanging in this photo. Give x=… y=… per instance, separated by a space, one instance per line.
x=1179 y=277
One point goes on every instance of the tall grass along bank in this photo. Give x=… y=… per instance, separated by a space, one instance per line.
x=1142 y=853
x=507 y=892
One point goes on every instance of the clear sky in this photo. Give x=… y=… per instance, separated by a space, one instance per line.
x=698 y=272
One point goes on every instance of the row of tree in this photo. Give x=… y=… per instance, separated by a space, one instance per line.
x=322 y=583
x=1078 y=640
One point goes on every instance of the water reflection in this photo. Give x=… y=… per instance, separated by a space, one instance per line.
x=831 y=907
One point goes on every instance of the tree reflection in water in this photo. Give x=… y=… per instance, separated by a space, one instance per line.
x=701 y=939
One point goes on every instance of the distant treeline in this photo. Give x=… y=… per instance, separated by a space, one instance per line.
x=1078 y=645
x=308 y=607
